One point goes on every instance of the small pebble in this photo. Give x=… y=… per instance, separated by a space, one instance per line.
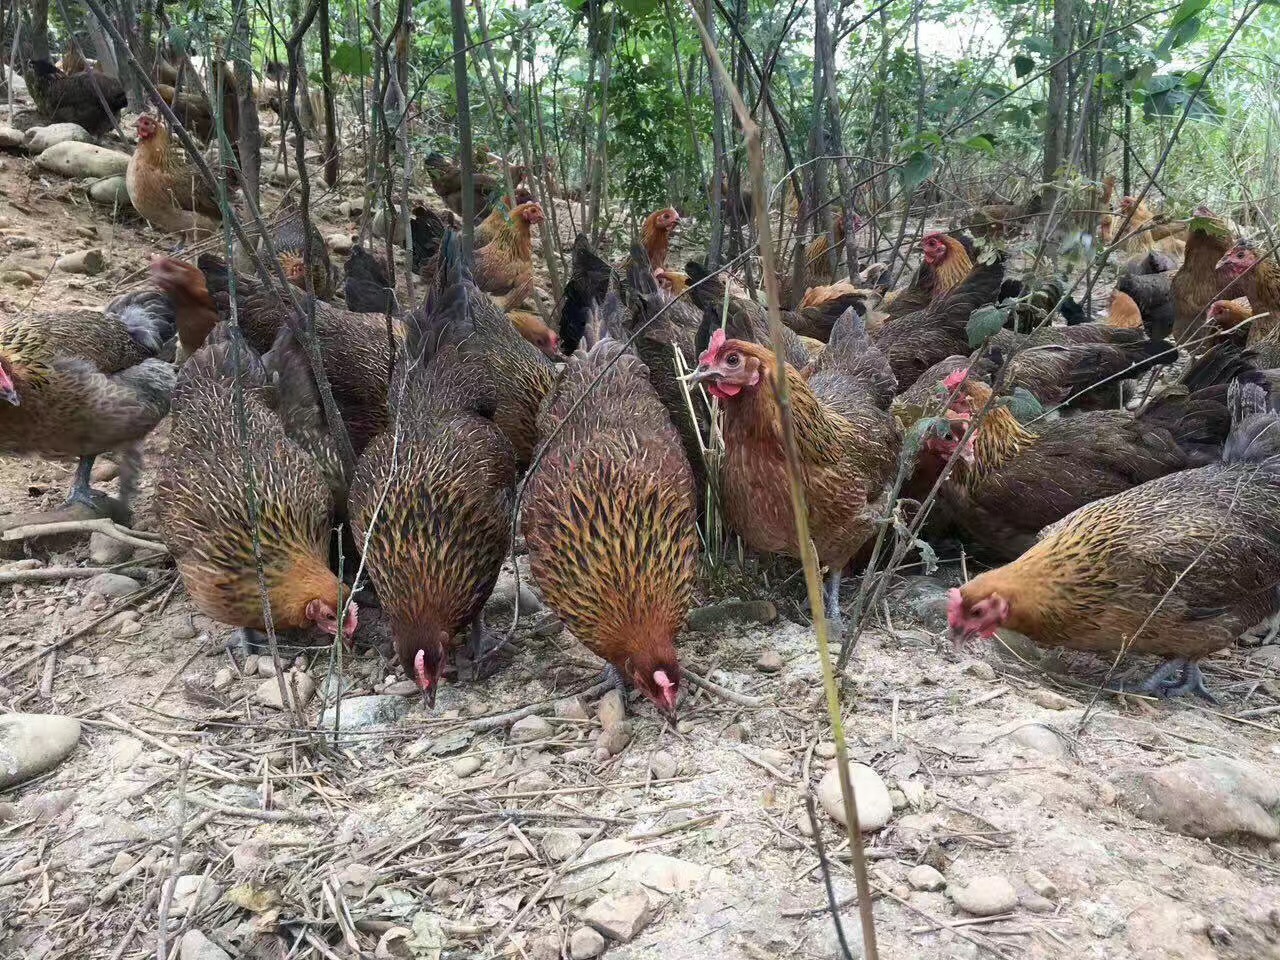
x=613 y=740
x=875 y=808
x=585 y=944
x=464 y=767
x=770 y=661
x=825 y=749
x=529 y=729
x=1035 y=903
x=685 y=727
x=266 y=667
x=121 y=863
x=130 y=628
x=980 y=669
x=736 y=732
x=985 y=896
x=571 y=708
x=611 y=710
x=223 y=678
x=559 y=844
x=662 y=765
x=925 y=877
x=184 y=629
x=1049 y=699
x=251 y=665
x=776 y=758
x=1041 y=884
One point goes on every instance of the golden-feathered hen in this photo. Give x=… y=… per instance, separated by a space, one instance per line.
x=434 y=495
x=165 y=189
x=291 y=243
x=1178 y=567
x=609 y=518
x=946 y=261
x=1257 y=276
x=848 y=443
x=84 y=382
x=204 y=495
x=1196 y=285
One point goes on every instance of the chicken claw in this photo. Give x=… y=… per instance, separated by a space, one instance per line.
x=482 y=648
x=99 y=503
x=1175 y=678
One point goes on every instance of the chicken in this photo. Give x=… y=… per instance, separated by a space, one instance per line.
x=848 y=443
x=745 y=319
x=1197 y=284
x=1258 y=278
x=914 y=342
x=519 y=375
x=1015 y=479
x=290 y=242
x=817 y=270
x=491 y=226
x=446 y=180
x=821 y=307
x=80 y=383
x=366 y=285
x=534 y=329
x=196 y=114
x=195 y=315
x=1144 y=233
x=1105 y=224
x=1153 y=294
x=1226 y=315
x=357 y=357
x=585 y=290
x=609 y=519
x=1178 y=566
x=204 y=498
x=1084 y=376
x=506 y=262
x=947 y=261
x=75 y=98
x=165 y=189
x=1123 y=312
x=655 y=235
x=434 y=497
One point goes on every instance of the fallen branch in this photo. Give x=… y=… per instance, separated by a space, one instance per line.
x=70 y=573
x=741 y=699
x=100 y=525
x=499 y=720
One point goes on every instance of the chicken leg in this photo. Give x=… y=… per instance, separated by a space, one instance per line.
x=1176 y=678
x=831 y=602
x=82 y=491
x=483 y=645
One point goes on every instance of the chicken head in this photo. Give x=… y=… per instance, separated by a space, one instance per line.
x=658 y=678
x=530 y=213
x=977 y=620
x=147 y=126
x=422 y=653
x=728 y=367
x=1239 y=260
x=325 y=617
x=935 y=249
x=8 y=390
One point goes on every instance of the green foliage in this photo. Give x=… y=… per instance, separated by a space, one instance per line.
x=984 y=323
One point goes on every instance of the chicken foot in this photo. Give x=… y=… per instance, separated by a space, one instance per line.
x=481 y=650
x=99 y=503
x=1176 y=678
x=831 y=603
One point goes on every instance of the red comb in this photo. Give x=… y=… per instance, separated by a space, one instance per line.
x=955 y=379
x=713 y=347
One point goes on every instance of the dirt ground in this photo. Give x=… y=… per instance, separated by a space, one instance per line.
x=442 y=834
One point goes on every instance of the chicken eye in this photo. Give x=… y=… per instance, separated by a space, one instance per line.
x=732 y=360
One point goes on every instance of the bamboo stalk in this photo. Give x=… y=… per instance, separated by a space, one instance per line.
x=812 y=575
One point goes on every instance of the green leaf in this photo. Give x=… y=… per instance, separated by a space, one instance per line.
x=985 y=322
x=351 y=60
x=915 y=171
x=1022 y=65
x=1179 y=35
x=1186 y=10
x=1213 y=228
x=1024 y=405
x=639 y=8
x=981 y=144
x=178 y=40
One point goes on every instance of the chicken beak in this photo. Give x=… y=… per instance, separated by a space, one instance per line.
x=960 y=639
x=10 y=395
x=429 y=697
x=695 y=377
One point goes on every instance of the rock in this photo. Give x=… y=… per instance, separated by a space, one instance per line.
x=1035 y=903
x=925 y=877
x=985 y=896
x=111 y=192
x=980 y=669
x=498 y=606
x=571 y=708
x=196 y=946
x=222 y=679
x=108 y=550
x=737 y=733
x=90 y=263
x=112 y=585
x=751 y=611
x=124 y=751
x=361 y=713
x=770 y=661
x=33 y=743
x=279 y=174
x=184 y=629
x=300 y=685
x=266 y=666
x=464 y=767
x=11 y=137
x=16 y=278
x=193 y=893
x=874 y=804
x=529 y=729
x=585 y=943
x=611 y=711
x=825 y=749
x=560 y=844
x=121 y=863
x=925 y=599
x=1038 y=737
x=339 y=243
x=620 y=916
x=72 y=159
x=613 y=740
x=40 y=139
x=401 y=688
x=1041 y=884
x=1205 y=797
x=663 y=766
x=1050 y=700
x=129 y=628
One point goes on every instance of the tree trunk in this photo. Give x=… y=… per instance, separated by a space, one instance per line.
x=1059 y=79
x=826 y=48
x=39 y=37
x=248 y=132
x=466 y=153
x=599 y=158
x=719 y=169
x=330 y=121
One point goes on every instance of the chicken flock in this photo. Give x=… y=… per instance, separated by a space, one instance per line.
x=1121 y=474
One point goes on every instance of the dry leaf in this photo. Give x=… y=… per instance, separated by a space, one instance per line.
x=254 y=898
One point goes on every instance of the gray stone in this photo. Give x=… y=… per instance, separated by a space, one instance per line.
x=299 y=684
x=1206 y=797
x=985 y=896
x=222 y=679
x=498 y=606
x=1040 y=738
x=72 y=159
x=11 y=137
x=925 y=877
x=111 y=192
x=40 y=139
x=466 y=766
x=121 y=863
x=279 y=174
x=872 y=796
x=925 y=599
x=88 y=263
x=33 y=743
x=613 y=740
x=339 y=243
x=184 y=629
x=196 y=946
x=1035 y=903
x=770 y=661
x=571 y=708
x=108 y=550
x=112 y=585
x=560 y=844
x=1050 y=699
x=529 y=729
x=663 y=766
x=193 y=893
x=1041 y=884
x=361 y=713
x=620 y=916
x=980 y=669
x=585 y=944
